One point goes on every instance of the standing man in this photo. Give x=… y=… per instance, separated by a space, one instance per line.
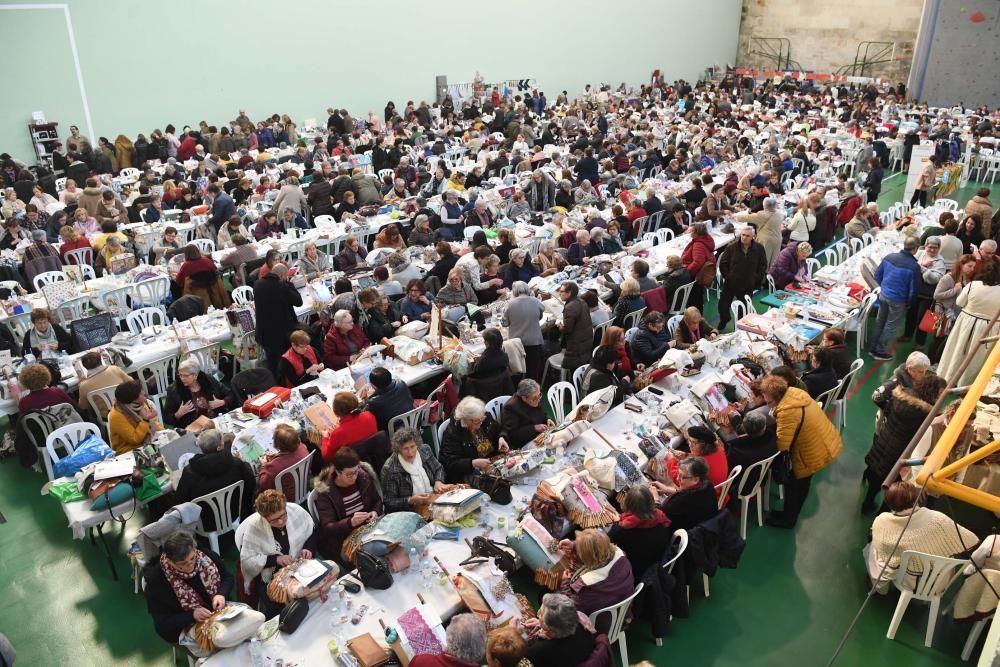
x=577 y=329
x=223 y=208
x=743 y=266
x=275 y=299
x=899 y=276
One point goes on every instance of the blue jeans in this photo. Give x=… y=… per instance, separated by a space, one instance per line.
x=890 y=315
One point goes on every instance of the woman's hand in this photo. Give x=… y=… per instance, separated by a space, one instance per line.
x=419 y=499
x=285 y=560
x=566 y=546
x=359 y=518
x=201 y=614
x=504 y=447
x=441 y=487
x=218 y=602
x=217 y=403
x=306 y=554
x=540 y=428
x=480 y=464
x=185 y=408
x=426 y=317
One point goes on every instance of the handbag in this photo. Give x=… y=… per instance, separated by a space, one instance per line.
x=368 y=652
x=706 y=274
x=373 y=570
x=292 y=615
x=930 y=322
x=483 y=549
x=495 y=486
x=285 y=588
x=230 y=626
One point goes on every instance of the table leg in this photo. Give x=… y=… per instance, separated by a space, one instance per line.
x=107 y=550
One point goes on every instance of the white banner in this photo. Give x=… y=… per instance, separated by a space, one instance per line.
x=918 y=155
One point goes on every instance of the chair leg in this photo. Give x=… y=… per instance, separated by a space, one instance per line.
x=897 y=616
x=760 y=510
x=623 y=648
x=704 y=579
x=932 y=622
x=213 y=539
x=970 y=642
x=744 y=508
x=767 y=497
x=659 y=642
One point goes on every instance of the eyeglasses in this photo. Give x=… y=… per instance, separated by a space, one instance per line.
x=350 y=473
x=281 y=518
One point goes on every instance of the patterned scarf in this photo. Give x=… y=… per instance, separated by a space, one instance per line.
x=186 y=595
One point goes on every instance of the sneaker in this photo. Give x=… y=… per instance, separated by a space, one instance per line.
x=881 y=356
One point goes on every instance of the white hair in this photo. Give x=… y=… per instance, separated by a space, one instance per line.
x=518 y=253
x=988 y=244
x=469 y=407
x=520 y=288
x=466 y=638
x=770 y=204
x=190 y=364
x=341 y=315
x=917 y=360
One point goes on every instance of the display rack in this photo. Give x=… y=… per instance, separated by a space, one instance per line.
x=43 y=137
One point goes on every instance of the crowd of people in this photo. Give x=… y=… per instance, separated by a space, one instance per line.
x=607 y=142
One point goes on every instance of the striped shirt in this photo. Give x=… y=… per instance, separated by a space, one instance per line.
x=352 y=499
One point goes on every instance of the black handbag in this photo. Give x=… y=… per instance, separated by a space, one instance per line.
x=373 y=570
x=292 y=615
x=483 y=549
x=496 y=487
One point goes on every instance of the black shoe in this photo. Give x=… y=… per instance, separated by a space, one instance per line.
x=881 y=356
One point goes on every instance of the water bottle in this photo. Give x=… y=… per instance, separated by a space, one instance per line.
x=256 y=653
x=414 y=559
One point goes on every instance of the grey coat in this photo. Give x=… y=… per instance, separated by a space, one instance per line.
x=577 y=334
x=523 y=317
x=397 y=486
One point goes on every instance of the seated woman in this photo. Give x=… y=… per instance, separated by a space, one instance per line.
x=402 y=269
x=112 y=248
x=271 y=259
x=548 y=261
x=301 y=363
x=347 y=209
x=378 y=328
x=790 y=265
x=412 y=476
x=184 y=586
x=313 y=263
x=505 y=647
x=344 y=340
x=421 y=234
x=71 y=240
x=506 y=243
x=195 y=394
x=289 y=451
x=233 y=227
x=347 y=498
x=628 y=302
x=896 y=531
x=353 y=253
x=614 y=337
x=456 y=293
x=415 y=306
x=36 y=378
x=471 y=438
x=579 y=252
x=276 y=535
x=756 y=443
x=599 y=313
x=389 y=237
x=132 y=420
x=651 y=341
x=194 y=263
x=268 y=226
x=702 y=443
x=558 y=636
x=385 y=286
x=493 y=360
x=605 y=574
x=518 y=268
x=693 y=500
x=643 y=532
x=354 y=424
x=169 y=246
x=692 y=329
x=602 y=373
x=45 y=335
x=821 y=377
x=522 y=417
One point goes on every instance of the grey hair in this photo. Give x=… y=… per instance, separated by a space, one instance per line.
x=597 y=233
x=190 y=364
x=754 y=423
x=559 y=614
x=451 y=193
x=695 y=466
x=917 y=360
x=586 y=182
x=420 y=218
x=399 y=181
x=520 y=288
x=38 y=235
x=292 y=180
x=936 y=240
x=403 y=436
x=771 y=204
x=466 y=638
x=527 y=387
x=518 y=253
x=582 y=234
x=210 y=441
x=179 y=546
x=545 y=246
x=339 y=316
x=988 y=244
x=469 y=407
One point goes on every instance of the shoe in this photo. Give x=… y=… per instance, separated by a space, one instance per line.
x=881 y=356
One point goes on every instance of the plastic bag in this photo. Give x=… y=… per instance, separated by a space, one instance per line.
x=66 y=492
x=91 y=449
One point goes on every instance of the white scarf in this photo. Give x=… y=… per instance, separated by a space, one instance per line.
x=418 y=476
x=255 y=541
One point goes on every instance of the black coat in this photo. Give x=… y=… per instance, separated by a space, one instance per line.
x=643 y=547
x=275 y=301
x=178 y=394
x=319 y=197
x=390 y=402
x=63 y=338
x=819 y=380
x=169 y=618
x=840 y=358
x=490 y=363
x=686 y=509
x=458 y=449
x=378 y=325
x=746 y=451
x=518 y=421
x=714 y=543
x=901 y=417
x=647 y=347
x=743 y=271
x=597 y=378
x=207 y=473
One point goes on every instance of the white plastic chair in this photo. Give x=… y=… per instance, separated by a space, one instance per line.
x=672 y=324
x=827 y=398
x=555 y=363
x=578 y=379
x=650 y=238
x=298 y=474
x=946 y=204
x=471 y=230
x=208 y=358
x=936 y=574
x=324 y=220
x=410 y=419
x=144 y=318
x=129 y=174
x=158 y=375
x=495 y=405
x=840 y=398
x=47 y=278
x=812 y=266
x=557 y=395
x=630 y=334
x=680 y=299
x=382 y=173
x=220 y=504
x=738 y=309
x=72 y=309
x=243 y=295
x=618 y=614
x=311 y=505
x=442 y=427
x=206 y=246
x=60 y=184
x=117 y=302
x=101 y=401
x=748 y=493
x=150 y=292
x=723 y=487
x=67 y=438
x=770 y=284
x=665 y=234
x=857 y=245
x=599 y=331
x=80 y=256
x=632 y=319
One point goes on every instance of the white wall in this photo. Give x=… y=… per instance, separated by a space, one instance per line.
x=146 y=64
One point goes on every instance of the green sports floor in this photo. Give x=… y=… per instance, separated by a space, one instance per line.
x=788 y=604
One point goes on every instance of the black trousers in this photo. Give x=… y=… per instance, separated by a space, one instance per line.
x=726 y=300
x=796 y=492
x=534 y=362
x=919 y=195
x=697 y=297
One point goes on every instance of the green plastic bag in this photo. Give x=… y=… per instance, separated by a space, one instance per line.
x=66 y=492
x=150 y=488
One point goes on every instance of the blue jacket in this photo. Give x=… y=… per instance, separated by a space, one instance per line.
x=899 y=277
x=223 y=208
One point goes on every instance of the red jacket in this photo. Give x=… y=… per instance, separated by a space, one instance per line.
x=336 y=351
x=718 y=468
x=186 y=150
x=191 y=267
x=848 y=210
x=352 y=429
x=697 y=253
x=81 y=242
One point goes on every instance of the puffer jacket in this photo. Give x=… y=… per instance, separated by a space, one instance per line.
x=984 y=208
x=901 y=417
x=90 y=200
x=900 y=277
x=818 y=442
